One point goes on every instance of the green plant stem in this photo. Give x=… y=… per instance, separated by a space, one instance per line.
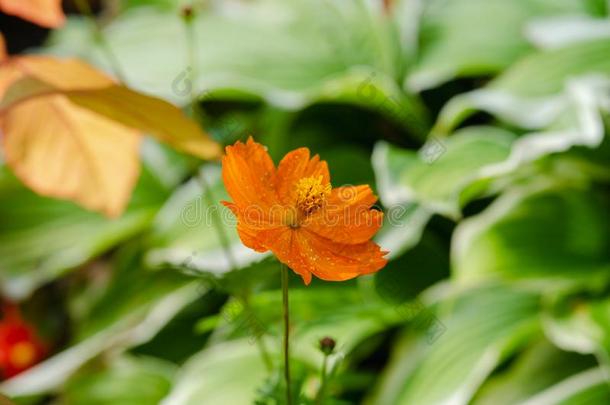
x=320 y=395
x=191 y=61
x=210 y=201
x=286 y=308
x=84 y=8
x=209 y=195
x=259 y=340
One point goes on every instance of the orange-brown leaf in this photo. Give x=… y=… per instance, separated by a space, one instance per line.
x=47 y=13
x=3 y=51
x=69 y=130
x=62 y=150
x=65 y=151
x=154 y=116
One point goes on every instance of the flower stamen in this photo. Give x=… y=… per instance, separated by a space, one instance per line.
x=311 y=194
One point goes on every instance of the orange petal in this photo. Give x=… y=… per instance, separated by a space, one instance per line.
x=248 y=174
x=347 y=217
x=349 y=227
x=295 y=166
x=46 y=13
x=350 y=196
x=286 y=248
x=255 y=229
x=333 y=261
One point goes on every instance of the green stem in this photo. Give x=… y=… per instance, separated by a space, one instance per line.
x=207 y=190
x=84 y=8
x=191 y=60
x=260 y=342
x=209 y=195
x=323 y=379
x=286 y=308
x=210 y=201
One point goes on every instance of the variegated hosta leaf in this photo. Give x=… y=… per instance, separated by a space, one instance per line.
x=465 y=38
x=554 y=236
x=446 y=174
x=481 y=329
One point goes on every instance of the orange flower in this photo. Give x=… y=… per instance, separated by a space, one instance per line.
x=47 y=13
x=293 y=211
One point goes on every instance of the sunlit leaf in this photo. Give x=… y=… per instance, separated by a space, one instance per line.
x=3 y=52
x=68 y=152
x=83 y=147
x=321 y=51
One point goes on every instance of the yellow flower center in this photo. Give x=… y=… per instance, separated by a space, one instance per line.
x=311 y=194
x=22 y=354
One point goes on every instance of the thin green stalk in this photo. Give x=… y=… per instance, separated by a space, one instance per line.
x=323 y=378
x=210 y=201
x=207 y=190
x=259 y=340
x=84 y=8
x=286 y=308
x=191 y=59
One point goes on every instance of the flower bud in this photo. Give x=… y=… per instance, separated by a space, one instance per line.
x=327 y=345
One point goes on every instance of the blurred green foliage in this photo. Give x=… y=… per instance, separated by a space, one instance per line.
x=486 y=142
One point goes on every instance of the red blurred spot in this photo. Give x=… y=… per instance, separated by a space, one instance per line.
x=20 y=346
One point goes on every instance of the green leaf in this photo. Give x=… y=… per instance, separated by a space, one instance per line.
x=476 y=37
x=42 y=238
x=318 y=50
x=483 y=327
x=446 y=174
x=549 y=33
x=587 y=388
x=346 y=314
x=536 y=92
x=136 y=305
x=544 y=73
x=558 y=234
x=572 y=118
x=539 y=367
x=581 y=325
x=227 y=373
x=127 y=380
x=411 y=273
